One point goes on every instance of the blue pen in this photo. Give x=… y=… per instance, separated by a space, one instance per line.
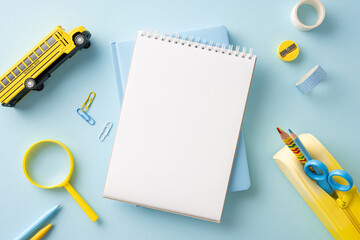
x=46 y=216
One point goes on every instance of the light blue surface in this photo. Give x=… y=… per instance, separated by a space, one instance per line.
x=271 y=208
x=122 y=54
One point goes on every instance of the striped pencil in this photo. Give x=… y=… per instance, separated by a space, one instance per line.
x=300 y=145
x=290 y=143
x=302 y=148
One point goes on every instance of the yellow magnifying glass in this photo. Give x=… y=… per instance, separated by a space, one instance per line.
x=65 y=183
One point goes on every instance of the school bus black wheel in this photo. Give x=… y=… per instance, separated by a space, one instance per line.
x=30 y=83
x=12 y=104
x=79 y=39
x=39 y=88
x=87 y=45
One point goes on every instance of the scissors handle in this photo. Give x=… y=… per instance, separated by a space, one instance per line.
x=320 y=176
x=340 y=173
x=325 y=179
x=87 y=209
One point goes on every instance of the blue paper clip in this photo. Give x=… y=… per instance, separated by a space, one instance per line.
x=105 y=131
x=85 y=116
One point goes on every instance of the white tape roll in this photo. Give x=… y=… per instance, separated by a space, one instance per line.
x=319 y=7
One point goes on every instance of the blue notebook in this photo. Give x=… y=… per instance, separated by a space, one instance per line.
x=121 y=55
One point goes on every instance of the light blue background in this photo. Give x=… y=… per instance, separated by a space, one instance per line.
x=271 y=209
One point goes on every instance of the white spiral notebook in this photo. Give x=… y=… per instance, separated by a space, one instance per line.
x=177 y=133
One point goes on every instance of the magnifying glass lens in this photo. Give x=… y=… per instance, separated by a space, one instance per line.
x=48 y=164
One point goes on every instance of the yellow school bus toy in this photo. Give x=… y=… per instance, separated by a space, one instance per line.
x=32 y=70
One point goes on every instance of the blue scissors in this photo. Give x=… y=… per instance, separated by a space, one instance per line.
x=325 y=179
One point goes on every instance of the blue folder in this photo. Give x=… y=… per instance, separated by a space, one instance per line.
x=121 y=55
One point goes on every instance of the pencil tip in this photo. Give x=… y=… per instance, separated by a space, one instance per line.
x=279 y=130
x=290 y=130
x=59 y=204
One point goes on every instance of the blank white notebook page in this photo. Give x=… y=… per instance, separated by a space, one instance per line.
x=179 y=126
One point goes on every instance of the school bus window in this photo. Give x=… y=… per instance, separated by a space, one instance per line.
x=5 y=81
x=51 y=41
x=44 y=47
x=38 y=52
x=16 y=72
x=11 y=76
x=33 y=56
x=27 y=61
x=1 y=87
x=22 y=67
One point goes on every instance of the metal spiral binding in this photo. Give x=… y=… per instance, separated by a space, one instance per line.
x=199 y=44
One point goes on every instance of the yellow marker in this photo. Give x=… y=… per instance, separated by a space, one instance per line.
x=288 y=51
x=91 y=214
x=88 y=102
x=40 y=234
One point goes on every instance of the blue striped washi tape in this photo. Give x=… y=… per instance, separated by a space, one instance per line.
x=311 y=79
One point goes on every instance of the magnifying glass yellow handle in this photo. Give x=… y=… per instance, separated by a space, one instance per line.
x=91 y=214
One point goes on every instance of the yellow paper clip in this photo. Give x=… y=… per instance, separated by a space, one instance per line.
x=88 y=102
